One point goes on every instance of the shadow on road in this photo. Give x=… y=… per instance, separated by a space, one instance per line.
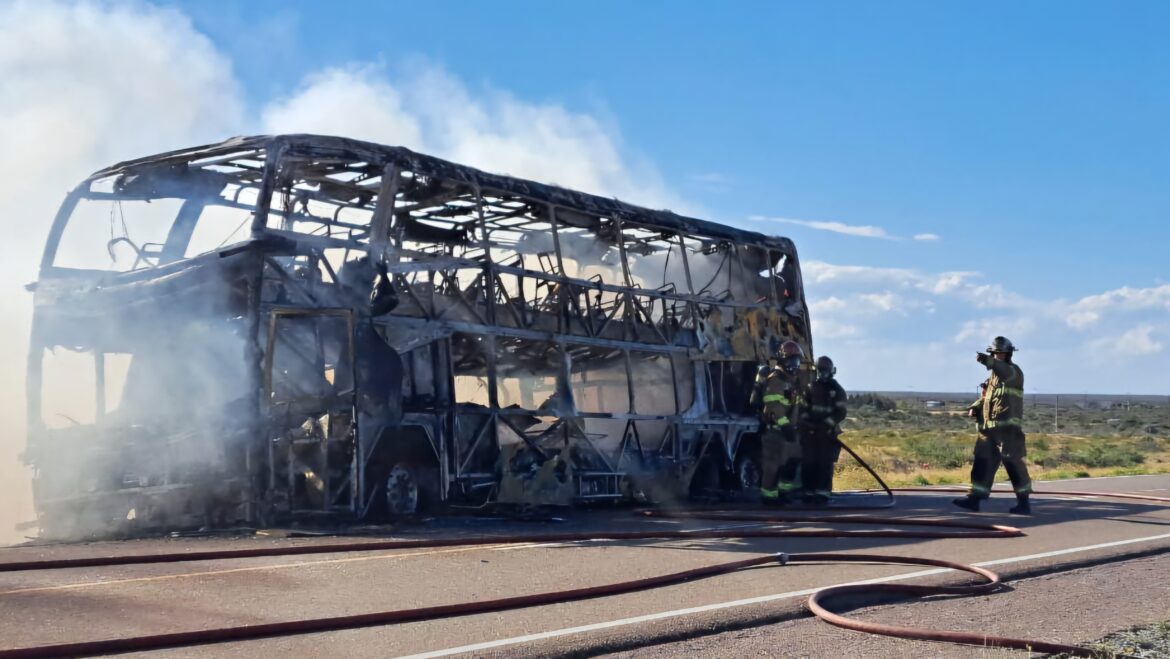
x=1047 y=512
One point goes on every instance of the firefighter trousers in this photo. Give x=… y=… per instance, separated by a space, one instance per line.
x=994 y=446
x=780 y=459
x=821 y=451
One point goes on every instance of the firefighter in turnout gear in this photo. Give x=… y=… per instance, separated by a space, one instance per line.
x=826 y=410
x=780 y=441
x=999 y=415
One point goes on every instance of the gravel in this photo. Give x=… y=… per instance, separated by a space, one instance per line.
x=1146 y=642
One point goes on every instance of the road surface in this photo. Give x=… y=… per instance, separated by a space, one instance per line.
x=60 y=606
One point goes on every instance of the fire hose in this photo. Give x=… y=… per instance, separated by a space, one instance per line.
x=816 y=603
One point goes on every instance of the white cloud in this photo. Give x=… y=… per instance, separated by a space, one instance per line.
x=946 y=282
x=864 y=231
x=828 y=305
x=1088 y=311
x=1081 y=319
x=821 y=272
x=881 y=301
x=826 y=316
x=1015 y=328
x=1138 y=341
x=956 y=283
x=1132 y=343
x=892 y=363
x=831 y=329
x=1128 y=298
x=861 y=230
x=895 y=310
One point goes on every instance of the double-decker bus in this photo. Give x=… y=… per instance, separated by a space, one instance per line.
x=298 y=326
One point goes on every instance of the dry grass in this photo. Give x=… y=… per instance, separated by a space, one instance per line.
x=909 y=458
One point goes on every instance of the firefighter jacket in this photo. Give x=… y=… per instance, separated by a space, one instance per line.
x=781 y=399
x=826 y=405
x=1002 y=402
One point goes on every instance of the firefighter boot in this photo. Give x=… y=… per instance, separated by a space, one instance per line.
x=968 y=502
x=1022 y=506
x=775 y=497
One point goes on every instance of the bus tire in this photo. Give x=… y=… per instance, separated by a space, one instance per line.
x=402 y=491
x=747 y=472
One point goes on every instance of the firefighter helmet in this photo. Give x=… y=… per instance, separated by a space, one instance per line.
x=1000 y=344
x=825 y=368
x=791 y=349
x=791 y=355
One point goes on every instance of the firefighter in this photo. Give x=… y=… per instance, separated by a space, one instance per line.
x=999 y=415
x=826 y=410
x=780 y=441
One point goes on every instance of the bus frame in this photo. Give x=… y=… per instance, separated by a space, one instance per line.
x=338 y=355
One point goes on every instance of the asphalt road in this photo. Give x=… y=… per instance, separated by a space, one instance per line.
x=1083 y=604
x=90 y=603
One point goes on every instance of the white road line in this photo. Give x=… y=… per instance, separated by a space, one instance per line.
x=1073 y=550
x=533 y=545
x=727 y=526
x=1097 y=478
x=757 y=600
x=945 y=488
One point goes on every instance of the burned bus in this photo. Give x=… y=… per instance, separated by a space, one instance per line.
x=293 y=327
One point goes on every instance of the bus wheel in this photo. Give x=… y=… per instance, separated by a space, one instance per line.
x=402 y=491
x=747 y=472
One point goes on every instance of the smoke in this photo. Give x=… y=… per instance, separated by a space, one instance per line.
x=84 y=85
x=426 y=109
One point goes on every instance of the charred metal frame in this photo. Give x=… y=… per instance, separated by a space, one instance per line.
x=497 y=278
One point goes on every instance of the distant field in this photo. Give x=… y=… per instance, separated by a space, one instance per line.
x=1065 y=400
x=912 y=442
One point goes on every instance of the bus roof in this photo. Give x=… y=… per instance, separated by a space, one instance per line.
x=360 y=151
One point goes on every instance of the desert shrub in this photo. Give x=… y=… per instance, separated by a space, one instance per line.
x=1107 y=455
x=1148 y=444
x=1043 y=459
x=937 y=452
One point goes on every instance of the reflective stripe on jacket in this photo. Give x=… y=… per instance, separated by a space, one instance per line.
x=781 y=400
x=1002 y=402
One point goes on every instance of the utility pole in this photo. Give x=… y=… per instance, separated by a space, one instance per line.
x=1056 y=417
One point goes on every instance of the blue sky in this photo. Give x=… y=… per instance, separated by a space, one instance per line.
x=1024 y=144
x=1039 y=122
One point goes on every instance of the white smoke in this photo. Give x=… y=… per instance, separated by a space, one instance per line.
x=428 y=110
x=83 y=85
x=86 y=84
